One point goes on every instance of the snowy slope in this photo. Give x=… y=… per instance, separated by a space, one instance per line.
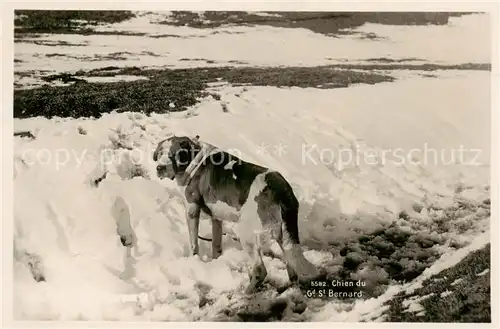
x=66 y=225
x=70 y=223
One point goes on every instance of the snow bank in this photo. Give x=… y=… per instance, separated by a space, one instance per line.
x=454 y=45
x=69 y=224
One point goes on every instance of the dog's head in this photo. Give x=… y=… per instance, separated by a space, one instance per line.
x=173 y=155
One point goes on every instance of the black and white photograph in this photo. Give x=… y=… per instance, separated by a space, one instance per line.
x=251 y=166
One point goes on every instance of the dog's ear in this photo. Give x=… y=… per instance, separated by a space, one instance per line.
x=156 y=153
x=195 y=142
x=161 y=145
x=185 y=153
x=186 y=145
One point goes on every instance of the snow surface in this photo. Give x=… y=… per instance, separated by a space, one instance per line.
x=412 y=304
x=465 y=39
x=445 y=293
x=71 y=225
x=483 y=272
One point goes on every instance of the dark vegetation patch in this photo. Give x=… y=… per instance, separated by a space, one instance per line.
x=319 y=22
x=190 y=36
x=237 y=62
x=208 y=61
x=183 y=87
x=467 y=300
x=414 y=67
x=30 y=73
x=94 y=99
x=159 y=36
x=418 y=67
x=64 y=55
x=271 y=76
x=111 y=71
x=366 y=36
x=149 y=53
x=28 y=22
x=53 y=43
x=429 y=75
x=21 y=36
x=116 y=56
x=226 y=32
x=65 y=21
x=238 y=73
x=389 y=60
x=24 y=134
x=63 y=77
x=108 y=71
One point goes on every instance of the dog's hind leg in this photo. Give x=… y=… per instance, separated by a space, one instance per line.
x=257 y=272
x=216 y=238
x=278 y=235
x=298 y=267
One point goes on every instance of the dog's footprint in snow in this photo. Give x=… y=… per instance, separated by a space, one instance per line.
x=121 y=214
x=62 y=238
x=34 y=263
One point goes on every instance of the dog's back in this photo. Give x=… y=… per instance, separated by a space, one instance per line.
x=227 y=178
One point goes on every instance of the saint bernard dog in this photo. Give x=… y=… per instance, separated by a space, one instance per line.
x=258 y=200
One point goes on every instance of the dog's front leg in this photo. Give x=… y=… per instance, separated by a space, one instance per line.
x=216 y=238
x=193 y=222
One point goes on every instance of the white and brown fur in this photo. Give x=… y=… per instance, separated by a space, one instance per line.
x=259 y=200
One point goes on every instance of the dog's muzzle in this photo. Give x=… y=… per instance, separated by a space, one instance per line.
x=165 y=171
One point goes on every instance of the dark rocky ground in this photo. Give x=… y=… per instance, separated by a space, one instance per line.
x=467 y=297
